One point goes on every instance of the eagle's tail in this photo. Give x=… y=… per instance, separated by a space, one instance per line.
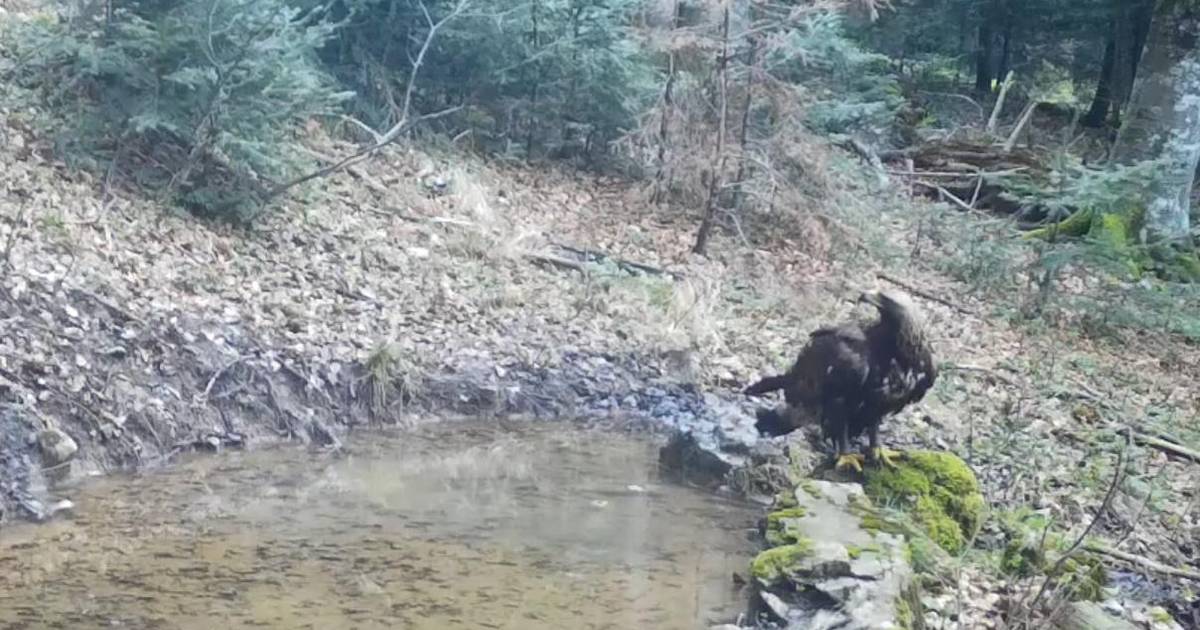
x=772 y=423
x=769 y=384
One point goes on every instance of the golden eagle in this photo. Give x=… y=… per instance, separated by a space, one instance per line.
x=852 y=376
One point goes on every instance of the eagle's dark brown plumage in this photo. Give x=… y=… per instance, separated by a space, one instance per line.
x=853 y=376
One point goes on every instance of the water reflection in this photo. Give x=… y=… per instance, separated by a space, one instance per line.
x=462 y=526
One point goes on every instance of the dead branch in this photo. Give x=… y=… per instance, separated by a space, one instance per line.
x=1145 y=563
x=1026 y=116
x=405 y=123
x=949 y=195
x=591 y=255
x=966 y=367
x=1008 y=171
x=991 y=123
x=1167 y=446
x=555 y=261
x=921 y=292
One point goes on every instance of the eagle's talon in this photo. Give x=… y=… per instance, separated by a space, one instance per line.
x=884 y=456
x=849 y=460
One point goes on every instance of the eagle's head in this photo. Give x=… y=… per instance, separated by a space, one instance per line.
x=893 y=303
x=898 y=310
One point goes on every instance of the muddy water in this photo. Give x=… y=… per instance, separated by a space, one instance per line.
x=460 y=526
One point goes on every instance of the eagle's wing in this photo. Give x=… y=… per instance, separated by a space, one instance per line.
x=834 y=364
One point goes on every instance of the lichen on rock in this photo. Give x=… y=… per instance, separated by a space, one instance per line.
x=938 y=491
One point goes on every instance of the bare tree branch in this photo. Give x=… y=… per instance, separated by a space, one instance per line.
x=404 y=124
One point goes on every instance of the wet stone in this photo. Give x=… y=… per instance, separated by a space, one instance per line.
x=57 y=447
x=852 y=577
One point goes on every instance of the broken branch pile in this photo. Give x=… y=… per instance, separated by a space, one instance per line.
x=974 y=175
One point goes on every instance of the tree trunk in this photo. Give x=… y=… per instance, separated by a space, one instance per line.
x=983 y=57
x=1163 y=122
x=535 y=46
x=1098 y=113
x=661 y=178
x=1139 y=17
x=715 y=180
x=1006 y=44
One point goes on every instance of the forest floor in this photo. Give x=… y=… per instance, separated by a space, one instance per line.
x=129 y=328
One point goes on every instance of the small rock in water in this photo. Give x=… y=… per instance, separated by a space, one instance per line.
x=57 y=447
x=635 y=488
x=600 y=503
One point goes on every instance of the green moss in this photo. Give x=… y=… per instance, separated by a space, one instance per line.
x=908 y=606
x=873 y=523
x=1075 y=225
x=1083 y=578
x=854 y=551
x=785 y=500
x=775 y=519
x=811 y=488
x=1026 y=541
x=780 y=530
x=775 y=563
x=1158 y=614
x=940 y=527
x=904 y=614
x=938 y=490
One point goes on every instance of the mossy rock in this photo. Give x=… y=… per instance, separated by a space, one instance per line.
x=780 y=525
x=938 y=491
x=774 y=564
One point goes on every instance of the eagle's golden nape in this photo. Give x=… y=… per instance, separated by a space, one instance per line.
x=853 y=376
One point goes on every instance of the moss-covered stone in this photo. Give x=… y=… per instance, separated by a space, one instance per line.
x=779 y=528
x=811 y=488
x=785 y=500
x=937 y=489
x=774 y=564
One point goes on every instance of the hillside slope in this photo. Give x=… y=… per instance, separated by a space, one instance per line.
x=376 y=297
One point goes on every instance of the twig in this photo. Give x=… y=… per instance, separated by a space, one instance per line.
x=1145 y=563
x=922 y=293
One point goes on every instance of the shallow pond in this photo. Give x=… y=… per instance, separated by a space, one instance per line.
x=459 y=525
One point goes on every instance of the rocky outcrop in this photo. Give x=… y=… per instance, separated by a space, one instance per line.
x=829 y=570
